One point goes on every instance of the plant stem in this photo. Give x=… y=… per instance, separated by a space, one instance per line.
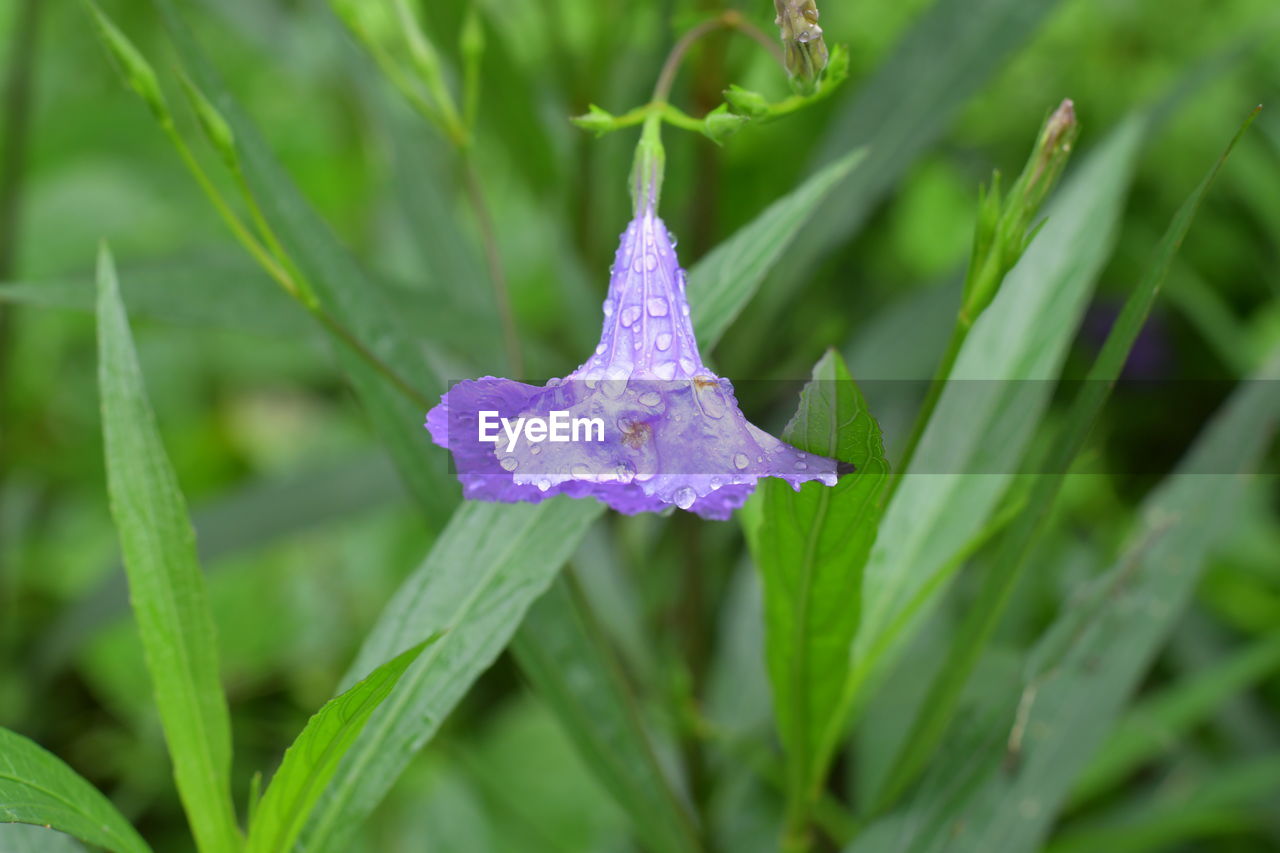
x=959 y=334
x=493 y=259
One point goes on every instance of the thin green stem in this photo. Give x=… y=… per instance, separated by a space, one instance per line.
x=959 y=334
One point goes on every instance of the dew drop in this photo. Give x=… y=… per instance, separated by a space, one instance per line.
x=629 y=316
x=650 y=261
x=684 y=497
x=663 y=342
x=626 y=472
x=509 y=463
x=687 y=365
x=684 y=308
x=741 y=461
x=535 y=449
x=665 y=370
x=800 y=466
x=600 y=348
x=580 y=471
x=657 y=306
x=650 y=398
x=716 y=482
x=608 y=308
x=544 y=484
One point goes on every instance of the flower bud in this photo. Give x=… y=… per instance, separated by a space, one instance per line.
x=596 y=120
x=804 y=50
x=744 y=102
x=720 y=124
x=215 y=127
x=135 y=69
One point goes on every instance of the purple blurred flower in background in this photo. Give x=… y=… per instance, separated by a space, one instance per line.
x=673 y=432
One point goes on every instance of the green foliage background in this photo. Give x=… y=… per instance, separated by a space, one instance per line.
x=306 y=531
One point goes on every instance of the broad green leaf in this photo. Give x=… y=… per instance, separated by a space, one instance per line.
x=726 y=279
x=911 y=99
x=38 y=788
x=166 y=586
x=1016 y=547
x=566 y=656
x=985 y=420
x=1163 y=720
x=489 y=564
x=1086 y=666
x=313 y=758
x=344 y=289
x=812 y=548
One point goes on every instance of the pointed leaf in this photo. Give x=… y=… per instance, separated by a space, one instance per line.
x=38 y=788
x=166 y=586
x=313 y=758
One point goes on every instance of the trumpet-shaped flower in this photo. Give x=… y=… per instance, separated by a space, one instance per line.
x=658 y=428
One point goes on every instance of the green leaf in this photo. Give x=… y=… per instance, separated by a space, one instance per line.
x=37 y=787
x=726 y=279
x=1163 y=720
x=566 y=656
x=166 y=586
x=22 y=838
x=1092 y=659
x=313 y=758
x=812 y=548
x=984 y=614
x=489 y=564
x=984 y=422
x=342 y=286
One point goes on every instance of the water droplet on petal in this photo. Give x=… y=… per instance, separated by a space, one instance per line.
x=657 y=306
x=664 y=370
x=741 y=461
x=663 y=342
x=800 y=466
x=509 y=463
x=688 y=365
x=684 y=497
x=535 y=449
x=629 y=315
x=544 y=484
x=600 y=348
x=608 y=308
x=650 y=398
x=684 y=308
x=626 y=472
x=650 y=261
x=716 y=482
x=581 y=471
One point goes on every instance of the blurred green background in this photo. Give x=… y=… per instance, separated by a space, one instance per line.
x=301 y=519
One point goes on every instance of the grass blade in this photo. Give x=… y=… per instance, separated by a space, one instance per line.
x=985 y=425
x=983 y=616
x=1091 y=660
x=166 y=585
x=812 y=548
x=722 y=283
x=313 y=758
x=565 y=655
x=489 y=564
x=342 y=286
x=1163 y=720
x=38 y=788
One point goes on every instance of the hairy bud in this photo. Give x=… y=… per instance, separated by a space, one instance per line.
x=805 y=52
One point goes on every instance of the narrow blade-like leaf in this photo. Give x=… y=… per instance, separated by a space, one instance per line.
x=1016 y=548
x=38 y=788
x=313 y=758
x=489 y=564
x=166 y=586
x=726 y=279
x=567 y=658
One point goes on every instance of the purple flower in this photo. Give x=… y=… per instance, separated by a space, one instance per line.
x=647 y=424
